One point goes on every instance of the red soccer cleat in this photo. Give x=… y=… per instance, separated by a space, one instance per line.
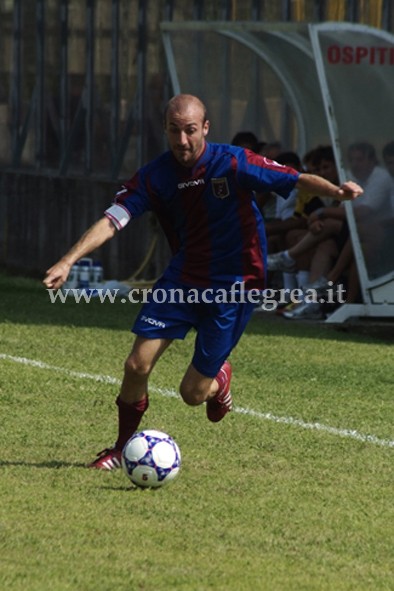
x=108 y=459
x=221 y=403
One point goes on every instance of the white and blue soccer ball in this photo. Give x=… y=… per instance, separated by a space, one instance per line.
x=151 y=459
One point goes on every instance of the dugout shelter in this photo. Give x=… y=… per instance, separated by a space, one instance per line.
x=304 y=85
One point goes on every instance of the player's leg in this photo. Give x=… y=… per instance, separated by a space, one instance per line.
x=138 y=366
x=208 y=377
x=156 y=325
x=197 y=388
x=133 y=400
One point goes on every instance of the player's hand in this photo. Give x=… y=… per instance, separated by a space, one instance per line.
x=349 y=190
x=57 y=275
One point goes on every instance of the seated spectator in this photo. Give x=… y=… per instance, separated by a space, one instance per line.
x=345 y=266
x=374 y=179
x=344 y=274
x=323 y=161
x=309 y=161
x=284 y=208
x=245 y=139
x=388 y=157
x=248 y=140
x=289 y=215
x=260 y=148
x=373 y=205
x=271 y=150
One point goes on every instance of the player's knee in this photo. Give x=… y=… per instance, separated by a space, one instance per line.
x=135 y=367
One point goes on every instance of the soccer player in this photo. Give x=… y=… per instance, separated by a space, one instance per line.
x=203 y=196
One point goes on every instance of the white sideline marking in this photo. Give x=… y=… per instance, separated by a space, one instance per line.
x=352 y=434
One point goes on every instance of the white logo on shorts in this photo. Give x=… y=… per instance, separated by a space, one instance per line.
x=152 y=321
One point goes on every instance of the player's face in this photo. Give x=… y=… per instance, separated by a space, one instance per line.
x=186 y=131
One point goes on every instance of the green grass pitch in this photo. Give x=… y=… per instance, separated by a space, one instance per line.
x=293 y=491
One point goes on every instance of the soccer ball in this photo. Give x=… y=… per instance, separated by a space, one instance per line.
x=151 y=459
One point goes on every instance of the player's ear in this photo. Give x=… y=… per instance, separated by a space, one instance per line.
x=205 y=128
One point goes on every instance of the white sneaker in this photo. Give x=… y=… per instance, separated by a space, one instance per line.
x=280 y=262
x=320 y=286
x=305 y=311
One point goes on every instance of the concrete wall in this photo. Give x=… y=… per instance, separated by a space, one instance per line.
x=42 y=216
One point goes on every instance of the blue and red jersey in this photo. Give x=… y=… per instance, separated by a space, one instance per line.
x=208 y=213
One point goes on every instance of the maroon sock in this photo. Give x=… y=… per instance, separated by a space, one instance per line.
x=129 y=417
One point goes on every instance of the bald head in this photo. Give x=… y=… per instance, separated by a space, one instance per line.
x=184 y=103
x=186 y=125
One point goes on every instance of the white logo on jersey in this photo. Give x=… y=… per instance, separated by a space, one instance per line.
x=270 y=162
x=192 y=183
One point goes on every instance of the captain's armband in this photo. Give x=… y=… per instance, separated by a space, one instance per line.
x=118 y=215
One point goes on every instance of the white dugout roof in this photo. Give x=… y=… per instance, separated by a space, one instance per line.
x=304 y=85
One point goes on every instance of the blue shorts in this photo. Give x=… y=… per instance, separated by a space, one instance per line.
x=219 y=326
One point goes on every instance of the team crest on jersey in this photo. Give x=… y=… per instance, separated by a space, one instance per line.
x=220 y=188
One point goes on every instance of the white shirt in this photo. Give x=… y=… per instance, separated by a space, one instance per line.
x=284 y=208
x=378 y=189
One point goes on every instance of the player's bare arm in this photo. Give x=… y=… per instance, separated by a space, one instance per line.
x=93 y=238
x=320 y=186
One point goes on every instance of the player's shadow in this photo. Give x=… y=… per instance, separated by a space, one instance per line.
x=125 y=488
x=52 y=464
x=131 y=488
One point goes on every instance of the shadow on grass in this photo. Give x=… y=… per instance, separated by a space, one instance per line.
x=127 y=488
x=362 y=331
x=26 y=301
x=49 y=465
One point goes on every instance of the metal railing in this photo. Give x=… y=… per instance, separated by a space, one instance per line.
x=83 y=82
